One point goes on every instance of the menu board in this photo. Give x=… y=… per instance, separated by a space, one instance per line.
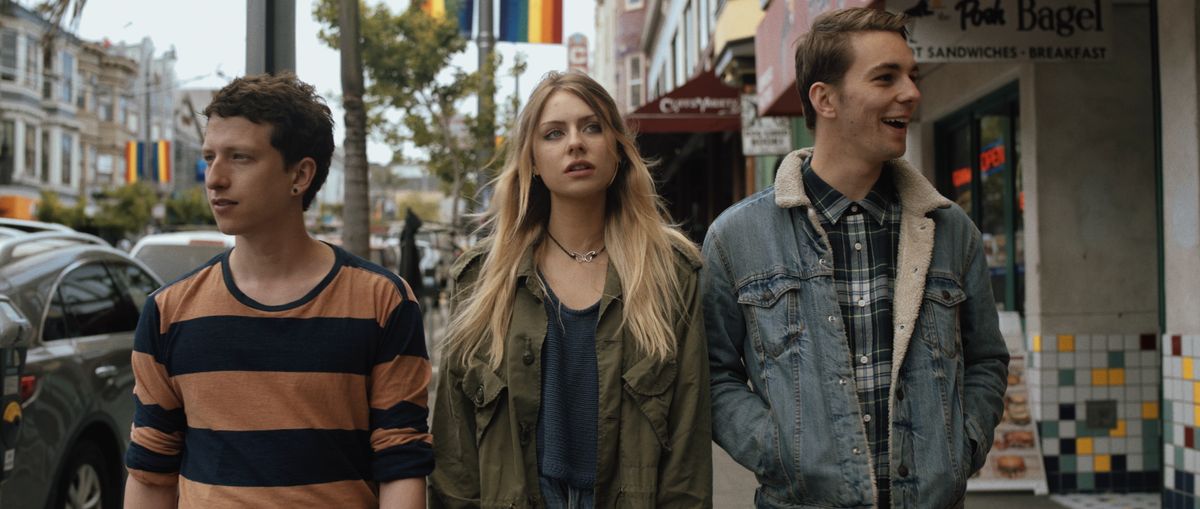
x=1015 y=461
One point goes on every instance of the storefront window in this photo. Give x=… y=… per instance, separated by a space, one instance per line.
x=979 y=168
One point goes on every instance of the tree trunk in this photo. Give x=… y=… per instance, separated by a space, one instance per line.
x=356 y=234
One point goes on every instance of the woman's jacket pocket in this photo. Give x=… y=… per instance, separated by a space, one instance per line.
x=483 y=387
x=647 y=383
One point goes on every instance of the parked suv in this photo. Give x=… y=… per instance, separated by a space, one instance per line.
x=171 y=255
x=83 y=299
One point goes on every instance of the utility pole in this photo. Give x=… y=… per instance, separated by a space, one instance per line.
x=270 y=36
x=487 y=96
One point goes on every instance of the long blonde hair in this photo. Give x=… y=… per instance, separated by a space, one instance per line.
x=637 y=235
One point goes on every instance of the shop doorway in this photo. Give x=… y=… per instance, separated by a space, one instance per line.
x=979 y=167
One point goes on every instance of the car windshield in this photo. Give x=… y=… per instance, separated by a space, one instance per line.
x=172 y=261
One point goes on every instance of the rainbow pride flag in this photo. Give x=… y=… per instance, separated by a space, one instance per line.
x=535 y=21
x=465 y=10
x=131 y=162
x=156 y=169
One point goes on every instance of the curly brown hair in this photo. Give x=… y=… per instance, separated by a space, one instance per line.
x=301 y=123
x=824 y=53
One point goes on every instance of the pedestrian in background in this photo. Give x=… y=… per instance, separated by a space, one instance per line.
x=575 y=373
x=285 y=372
x=854 y=299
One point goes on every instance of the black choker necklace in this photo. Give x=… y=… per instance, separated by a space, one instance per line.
x=579 y=257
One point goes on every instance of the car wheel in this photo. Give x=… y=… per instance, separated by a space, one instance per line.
x=86 y=483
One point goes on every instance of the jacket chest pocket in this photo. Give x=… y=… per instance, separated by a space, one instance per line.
x=774 y=304
x=647 y=383
x=940 y=314
x=483 y=388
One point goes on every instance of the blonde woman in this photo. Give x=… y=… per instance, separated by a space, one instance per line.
x=575 y=372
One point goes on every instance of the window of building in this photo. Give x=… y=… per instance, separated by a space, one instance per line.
x=89 y=162
x=66 y=150
x=8 y=55
x=689 y=40
x=979 y=166
x=8 y=150
x=677 y=53
x=66 y=91
x=32 y=56
x=635 y=81
x=104 y=106
x=31 y=149
x=45 y=156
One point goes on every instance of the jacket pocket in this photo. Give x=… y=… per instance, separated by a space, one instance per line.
x=774 y=303
x=647 y=383
x=481 y=385
x=943 y=296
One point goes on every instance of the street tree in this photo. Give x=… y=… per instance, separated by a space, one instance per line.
x=356 y=233
x=414 y=96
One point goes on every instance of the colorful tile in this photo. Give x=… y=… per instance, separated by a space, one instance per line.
x=1066 y=343
x=1116 y=376
x=1083 y=446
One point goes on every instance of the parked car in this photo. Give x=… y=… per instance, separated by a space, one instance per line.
x=83 y=299
x=171 y=255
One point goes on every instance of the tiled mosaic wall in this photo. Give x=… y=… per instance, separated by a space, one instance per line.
x=1181 y=413
x=1069 y=371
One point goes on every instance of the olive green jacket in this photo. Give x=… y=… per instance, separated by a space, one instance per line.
x=654 y=435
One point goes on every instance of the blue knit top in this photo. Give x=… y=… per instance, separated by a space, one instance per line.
x=569 y=415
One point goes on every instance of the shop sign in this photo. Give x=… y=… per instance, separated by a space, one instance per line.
x=763 y=136
x=1009 y=30
x=577 y=53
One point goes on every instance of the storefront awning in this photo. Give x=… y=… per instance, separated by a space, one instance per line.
x=702 y=105
x=775 y=51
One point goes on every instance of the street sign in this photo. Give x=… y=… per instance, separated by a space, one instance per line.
x=763 y=136
x=577 y=53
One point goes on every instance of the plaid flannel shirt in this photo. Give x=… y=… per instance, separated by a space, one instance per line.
x=864 y=237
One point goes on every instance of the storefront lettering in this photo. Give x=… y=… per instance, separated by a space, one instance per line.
x=1062 y=20
x=719 y=105
x=970 y=12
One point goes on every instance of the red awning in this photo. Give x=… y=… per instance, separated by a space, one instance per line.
x=702 y=105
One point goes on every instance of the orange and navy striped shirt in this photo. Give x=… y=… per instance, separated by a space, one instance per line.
x=307 y=404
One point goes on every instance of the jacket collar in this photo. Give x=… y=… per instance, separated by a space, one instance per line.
x=917 y=195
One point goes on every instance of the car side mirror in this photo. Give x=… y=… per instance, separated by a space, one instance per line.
x=15 y=337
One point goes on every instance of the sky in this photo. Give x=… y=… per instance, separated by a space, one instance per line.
x=209 y=38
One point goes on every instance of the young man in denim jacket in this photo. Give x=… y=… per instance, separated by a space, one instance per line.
x=854 y=299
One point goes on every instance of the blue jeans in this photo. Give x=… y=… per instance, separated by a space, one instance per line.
x=560 y=495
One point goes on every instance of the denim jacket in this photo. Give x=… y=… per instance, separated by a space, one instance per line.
x=773 y=320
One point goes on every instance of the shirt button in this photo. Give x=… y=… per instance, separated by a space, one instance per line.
x=903 y=471
x=863 y=360
x=856 y=451
x=867 y=418
x=858 y=246
x=832 y=319
x=842 y=381
x=528 y=358
x=854 y=208
x=862 y=303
